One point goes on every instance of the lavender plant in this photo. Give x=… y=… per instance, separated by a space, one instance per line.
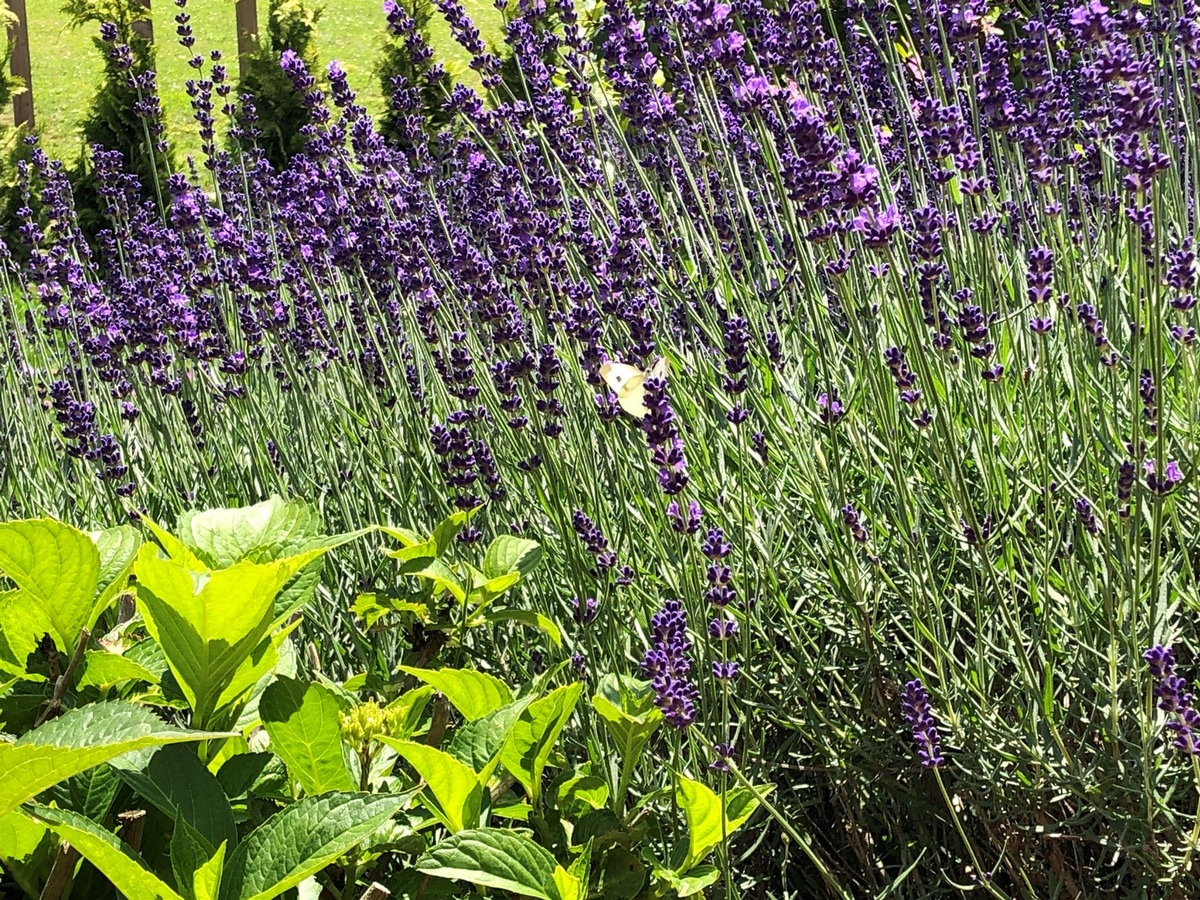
x=925 y=279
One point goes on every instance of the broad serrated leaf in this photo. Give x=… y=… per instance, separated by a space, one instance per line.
x=527 y=617
x=104 y=850
x=627 y=708
x=78 y=740
x=440 y=576
x=89 y=793
x=117 y=548
x=527 y=750
x=696 y=880
x=189 y=852
x=209 y=625
x=58 y=568
x=22 y=624
x=301 y=840
x=495 y=858
x=404 y=713
x=508 y=553
x=568 y=884
x=478 y=743
x=260 y=533
x=206 y=882
x=302 y=721
x=708 y=823
x=454 y=784
x=239 y=772
x=178 y=783
x=103 y=669
x=447 y=530
x=474 y=694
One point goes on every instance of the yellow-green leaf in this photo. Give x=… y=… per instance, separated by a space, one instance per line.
x=474 y=694
x=454 y=785
x=120 y=865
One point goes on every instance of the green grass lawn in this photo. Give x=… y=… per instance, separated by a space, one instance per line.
x=67 y=66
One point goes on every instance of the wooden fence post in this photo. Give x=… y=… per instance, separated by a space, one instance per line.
x=247 y=33
x=144 y=27
x=19 y=64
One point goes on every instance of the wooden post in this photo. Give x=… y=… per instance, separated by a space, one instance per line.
x=247 y=33
x=144 y=27
x=19 y=64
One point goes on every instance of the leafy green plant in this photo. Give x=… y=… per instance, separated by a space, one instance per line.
x=279 y=781
x=279 y=111
x=125 y=114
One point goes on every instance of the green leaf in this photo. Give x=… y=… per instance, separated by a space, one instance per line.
x=696 y=880
x=103 y=669
x=177 y=782
x=206 y=883
x=404 y=713
x=240 y=771
x=253 y=677
x=447 y=530
x=495 y=858
x=454 y=784
x=425 y=550
x=303 y=839
x=509 y=553
x=568 y=884
x=19 y=835
x=581 y=794
x=89 y=793
x=628 y=711
x=189 y=853
x=436 y=572
x=527 y=617
x=528 y=748
x=260 y=533
x=740 y=804
x=706 y=819
x=702 y=810
x=175 y=548
x=209 y=625
x=22 y=625
x=58 y=568
x=478 y=743
x=117 y=548
x=302 y=721
x=75 y=742
x=103 y=849
x=406 y=536
x=474 y=694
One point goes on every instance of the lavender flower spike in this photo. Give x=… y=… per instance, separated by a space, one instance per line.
x=669 y=666
x=915 y=703
x=1174 y=699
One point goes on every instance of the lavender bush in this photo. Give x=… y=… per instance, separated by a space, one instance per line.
x=924 y=278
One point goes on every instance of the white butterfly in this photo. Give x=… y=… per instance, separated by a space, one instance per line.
x=627 y=382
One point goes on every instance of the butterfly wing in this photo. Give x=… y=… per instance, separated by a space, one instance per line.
x=659 y=369
x=626 y=382
x=618 y=375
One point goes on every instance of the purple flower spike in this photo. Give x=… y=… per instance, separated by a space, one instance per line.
x=915 y=703
x=669 y=667
x=1174 y=699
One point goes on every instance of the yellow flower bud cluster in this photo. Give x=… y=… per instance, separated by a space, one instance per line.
x=367 y=721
